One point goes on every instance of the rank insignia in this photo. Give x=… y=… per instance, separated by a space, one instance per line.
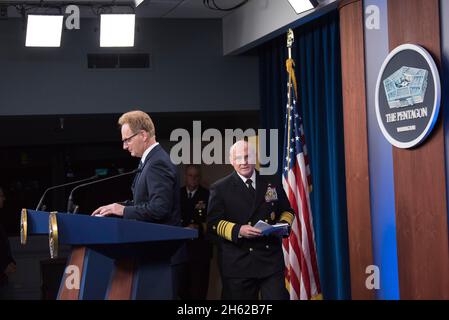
x=200 y=205
x=271 y=194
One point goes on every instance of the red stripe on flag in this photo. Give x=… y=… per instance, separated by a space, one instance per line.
x=294 y=203
x=303 y=272
x=295 y=241
x=301 y=191
x=308 y=224
x=294 y=274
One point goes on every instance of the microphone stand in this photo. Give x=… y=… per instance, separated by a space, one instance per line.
x=71 y=208
x=39 y=205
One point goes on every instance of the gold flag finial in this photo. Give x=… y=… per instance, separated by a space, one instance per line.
x=290 y=40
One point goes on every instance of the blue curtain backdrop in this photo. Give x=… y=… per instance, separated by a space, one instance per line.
x=316 y=52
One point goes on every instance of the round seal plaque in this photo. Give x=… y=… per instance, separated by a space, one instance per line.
x=408 y=96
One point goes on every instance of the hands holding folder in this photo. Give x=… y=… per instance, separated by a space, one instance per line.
x=281 y=229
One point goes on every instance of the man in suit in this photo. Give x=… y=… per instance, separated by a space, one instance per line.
x=155 y=187
x=194 y=199
x=156 y=184
x=251 y=264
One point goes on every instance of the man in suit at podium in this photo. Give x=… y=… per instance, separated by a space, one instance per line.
x=194 y=200
x=251 y=264
x=156 y=184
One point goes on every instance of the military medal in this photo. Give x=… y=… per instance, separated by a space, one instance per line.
x=271 y=194
x=200 y=206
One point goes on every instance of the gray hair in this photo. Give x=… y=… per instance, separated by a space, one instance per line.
x=241 y=144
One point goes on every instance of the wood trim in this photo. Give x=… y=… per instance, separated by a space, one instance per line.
x=419 y=173
x=76 y=259
x=356 y=145
x=122 y=281
x=344 y=3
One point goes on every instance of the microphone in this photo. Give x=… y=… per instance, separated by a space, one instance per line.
x=70 y=205
x=39 y=205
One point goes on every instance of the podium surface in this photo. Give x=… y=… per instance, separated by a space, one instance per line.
x=116 y=258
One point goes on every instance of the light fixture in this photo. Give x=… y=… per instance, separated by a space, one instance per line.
x=301 y=6
x=44 y=30
x=117 y=30
x=137 y=2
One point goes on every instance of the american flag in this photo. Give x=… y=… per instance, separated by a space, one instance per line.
x=301 y=277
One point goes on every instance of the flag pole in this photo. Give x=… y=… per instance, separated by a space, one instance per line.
x=302 y=274
x=290 y=63
x=289 y=66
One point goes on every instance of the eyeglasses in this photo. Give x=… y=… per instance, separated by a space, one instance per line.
x=127 y=140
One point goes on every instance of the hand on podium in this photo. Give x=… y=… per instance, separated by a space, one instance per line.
x=113 y=209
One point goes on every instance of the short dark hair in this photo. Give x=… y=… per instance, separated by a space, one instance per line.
x=194 y=166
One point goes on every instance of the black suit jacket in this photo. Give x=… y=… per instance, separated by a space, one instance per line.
x=194 y=211
x=231 y=206
x=189 y=213
x=155 y=191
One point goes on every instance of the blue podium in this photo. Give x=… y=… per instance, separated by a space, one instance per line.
x=115 y=258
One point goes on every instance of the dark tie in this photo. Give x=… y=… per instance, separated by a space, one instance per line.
x=140 y=166
x=249 y=184
x=136 y=177
x=190 y=195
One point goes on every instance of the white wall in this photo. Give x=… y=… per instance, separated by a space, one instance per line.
x=260 y=20
x=188 y=73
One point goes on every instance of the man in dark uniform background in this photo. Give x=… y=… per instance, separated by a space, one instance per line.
x=194 y=199
x=251 y=264
x=7 y=263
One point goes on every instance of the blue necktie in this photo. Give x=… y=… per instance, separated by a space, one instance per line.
x=136 y=177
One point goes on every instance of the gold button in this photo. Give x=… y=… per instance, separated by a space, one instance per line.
x=267 y=246
x=249 y=223
x=250 y=249
x=192 y=221
x=214 y=227
x=266 y=220
x=272 y=204
x=201 y=214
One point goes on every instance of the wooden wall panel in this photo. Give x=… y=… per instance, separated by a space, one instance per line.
x=356 y=145
x=121 y=285
x=76 y=259
x=419 y=173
